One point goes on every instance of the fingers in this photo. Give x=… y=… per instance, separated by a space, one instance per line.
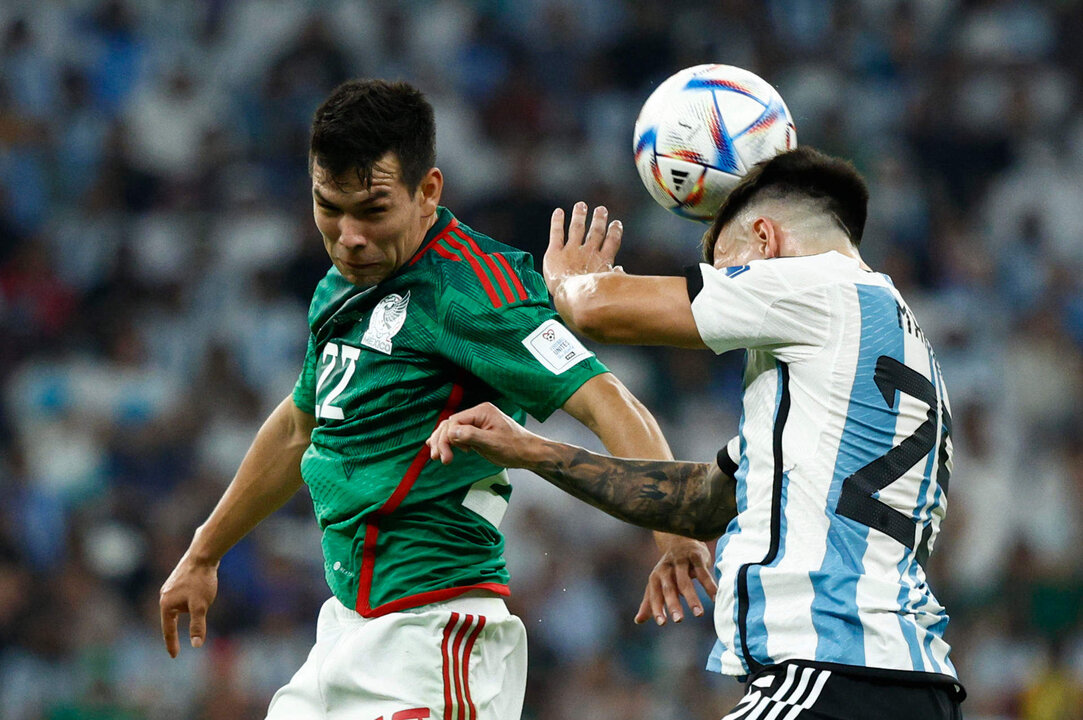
x=653 y=605
x=654 y=602
x=611 y=244
x=556 y=230
x=644 y=612
x=439 y=446
x=459 y=430
x=671 y=598
x=598 y=231
x=169 y=631
x=672 y=580
x=584 y=250
x=577 y=226
x=687 y=589
x=706 y=579
x=197 y=625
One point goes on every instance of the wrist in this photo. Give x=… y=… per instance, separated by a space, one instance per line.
x=542 y=456
x=555 y=285
x=201 y=552
x=668 y=541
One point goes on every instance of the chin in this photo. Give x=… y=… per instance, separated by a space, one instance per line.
x=364 y=280
x=361 y=279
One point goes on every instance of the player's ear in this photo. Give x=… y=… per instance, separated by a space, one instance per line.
x=429 y=190
x=766 y=237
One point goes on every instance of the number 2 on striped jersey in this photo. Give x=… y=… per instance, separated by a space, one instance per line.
x=332 y=356
x=856 y=498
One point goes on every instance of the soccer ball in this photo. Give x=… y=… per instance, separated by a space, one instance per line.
x=701 y=130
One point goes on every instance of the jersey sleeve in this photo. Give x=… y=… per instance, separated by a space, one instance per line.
x=521 y=349
x=754 y=307
x=304 y=391
x=729 y=457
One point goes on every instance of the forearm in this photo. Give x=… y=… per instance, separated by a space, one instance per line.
x=691 y=499
x=612 y=307
x=623 y=423
x=268 y=476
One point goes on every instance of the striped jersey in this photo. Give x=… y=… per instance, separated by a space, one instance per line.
x=842 y=463
x=465 y=320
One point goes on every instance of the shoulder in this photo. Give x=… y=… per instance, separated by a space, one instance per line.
x=794 y=274
x=475 y=267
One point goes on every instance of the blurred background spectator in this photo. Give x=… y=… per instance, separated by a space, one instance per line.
x=157 y=256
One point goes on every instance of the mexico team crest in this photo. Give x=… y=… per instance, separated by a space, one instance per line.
x=386 y=320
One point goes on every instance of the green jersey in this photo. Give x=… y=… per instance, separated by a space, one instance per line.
x=465 y=320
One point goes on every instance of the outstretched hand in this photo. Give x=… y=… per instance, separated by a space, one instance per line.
x=487 y=431
x=683 y=561
x=585 y=250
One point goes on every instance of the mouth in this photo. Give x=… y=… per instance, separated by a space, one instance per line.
x=360 y=266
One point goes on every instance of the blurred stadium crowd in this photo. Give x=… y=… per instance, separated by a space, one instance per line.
x=157 y=254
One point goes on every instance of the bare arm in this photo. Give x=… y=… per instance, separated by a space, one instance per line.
x=618 y=418
x=268 y=476
x=691 y=499
x=604 y=303
x=613 y=307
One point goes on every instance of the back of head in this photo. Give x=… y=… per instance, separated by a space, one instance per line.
x=802 y=173
x=362 y=120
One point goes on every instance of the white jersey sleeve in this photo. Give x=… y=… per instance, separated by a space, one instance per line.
x=729 y=457
x=764 y=305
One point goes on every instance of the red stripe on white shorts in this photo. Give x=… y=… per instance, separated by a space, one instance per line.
x=458 y=644
x=473 y=711
x=447 y=664
x=456 y=654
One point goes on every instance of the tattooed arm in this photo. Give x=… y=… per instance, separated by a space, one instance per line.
x=691 y=499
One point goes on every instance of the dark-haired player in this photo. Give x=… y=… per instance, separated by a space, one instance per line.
x=829 y=500
x=418 y=317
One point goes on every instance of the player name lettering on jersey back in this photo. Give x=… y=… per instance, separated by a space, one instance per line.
x=908 y=323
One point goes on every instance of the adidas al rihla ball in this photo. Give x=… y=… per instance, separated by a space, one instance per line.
x=701 y=130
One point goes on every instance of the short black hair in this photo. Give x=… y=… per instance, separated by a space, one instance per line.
x=364 y=119
x=802 y=171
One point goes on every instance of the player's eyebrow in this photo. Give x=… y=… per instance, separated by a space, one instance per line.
x=374 y=197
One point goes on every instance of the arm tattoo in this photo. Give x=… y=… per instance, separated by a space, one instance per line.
x=693 y=499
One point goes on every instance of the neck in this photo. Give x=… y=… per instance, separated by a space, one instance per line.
x=419 y=237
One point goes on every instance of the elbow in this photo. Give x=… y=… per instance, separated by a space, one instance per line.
x=707 y=532
x=590 y=321
x=587 y=306
x=597 y=319
x=712 y=520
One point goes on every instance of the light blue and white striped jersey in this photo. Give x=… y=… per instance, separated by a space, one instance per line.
x=842 y=460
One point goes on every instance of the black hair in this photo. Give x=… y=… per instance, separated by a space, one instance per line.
x=364 y=119
x=802 y=172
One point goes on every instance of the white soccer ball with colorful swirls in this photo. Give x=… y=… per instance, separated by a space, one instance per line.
x=701 y=130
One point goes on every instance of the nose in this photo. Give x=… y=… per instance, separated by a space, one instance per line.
x=351 y=234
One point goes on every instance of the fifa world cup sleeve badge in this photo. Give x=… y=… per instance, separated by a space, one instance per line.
x=386 y=320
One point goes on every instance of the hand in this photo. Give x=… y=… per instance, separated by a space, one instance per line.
x=489 y=432
x=190 y=588
x=586 y=251
x=671 y=579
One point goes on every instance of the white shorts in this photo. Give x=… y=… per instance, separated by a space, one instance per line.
x=464 y=659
